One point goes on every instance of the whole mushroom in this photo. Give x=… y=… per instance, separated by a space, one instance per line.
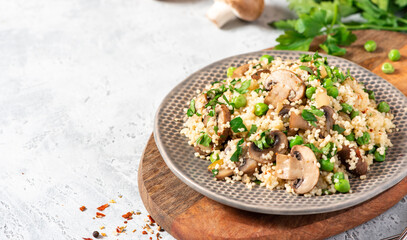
x=223 y=11
x=279 y=145
x=301 y=167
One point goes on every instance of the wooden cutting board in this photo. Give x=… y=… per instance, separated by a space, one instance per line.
x=186 y=214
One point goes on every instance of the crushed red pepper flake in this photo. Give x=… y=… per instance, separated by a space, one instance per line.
x=87 y=238
x=144 y=232
x=151 y=219
x=83 y=208
x=103 y=207
x=128 y=215
x=100 y=215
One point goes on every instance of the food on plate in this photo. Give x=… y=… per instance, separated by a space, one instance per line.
x=299 y=125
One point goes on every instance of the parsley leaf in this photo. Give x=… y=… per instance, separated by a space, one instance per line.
x=338 y=128
x=265 y=140
x=204 y=140
x=215 y=172
x=313 y=148
x=305 y=58
x=305 y=68
x=308 y=116
x=253 y=129
x=243 y=88
x=237 y=125
x=238 y=152
x=191 y=110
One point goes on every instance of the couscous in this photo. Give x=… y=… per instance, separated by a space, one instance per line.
x=302 y=126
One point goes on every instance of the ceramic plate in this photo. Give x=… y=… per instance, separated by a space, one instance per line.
x=179 y=156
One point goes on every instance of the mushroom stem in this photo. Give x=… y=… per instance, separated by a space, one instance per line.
x=220 y=13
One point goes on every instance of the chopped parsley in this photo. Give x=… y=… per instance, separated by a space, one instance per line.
x=338 y=128
x=238 y=152
x=265 y=140
x=191 y=110
x=253 y=129
x=204 y=140
x=237 y=125
x=305 y=68
x=243 y=88
x=215 y=172
x=313 y=148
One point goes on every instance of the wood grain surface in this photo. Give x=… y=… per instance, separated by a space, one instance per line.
x=187 y=214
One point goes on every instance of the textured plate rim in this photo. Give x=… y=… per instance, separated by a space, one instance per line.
x=258 y=208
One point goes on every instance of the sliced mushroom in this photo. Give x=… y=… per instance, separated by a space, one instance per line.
x=296 y=121
x=223 y=117
x=248 y=166
x=203 y=150
x=329 y=115
x=257 y=75
x=239 y=72
x=288 y=167
x=284 y=112
x=280 y=145
x=200 y=102
x=344 y=116
x=284 y=84
x=321 y=98
x=355 y=165
x=224 y=173
x=305 y=171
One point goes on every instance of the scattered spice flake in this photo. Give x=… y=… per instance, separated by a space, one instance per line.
x=103 y=207
x=128 y=215
x=121 y=229
x=102 y=227
x=151 y=219
x=134 y=230
x=125 y=222
x=100 y=215
x=151 y=238
x=158 y=228
x=112 y=201
x=87 y=238
x=83 y=208
x=120 y=196
x=138 y=212
x=103 y=234
x=144 y=233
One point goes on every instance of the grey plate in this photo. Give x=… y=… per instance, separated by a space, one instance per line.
x=179 y=156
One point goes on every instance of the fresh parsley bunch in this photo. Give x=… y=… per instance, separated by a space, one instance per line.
x=316 y=18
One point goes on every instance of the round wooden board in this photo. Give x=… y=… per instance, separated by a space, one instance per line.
x=187 y=214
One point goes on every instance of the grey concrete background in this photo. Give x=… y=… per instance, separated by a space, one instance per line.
x=80 y=83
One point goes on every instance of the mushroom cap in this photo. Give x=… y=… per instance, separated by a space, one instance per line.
x=240 y=71
x=286 y=86
x=257 y=75
x=248 y=10
x=344 y=156
x=202 y=150
x=296 y=121
x=280 y=145
x=329 y=115
x=248 y=166
x=224 y=173
x=310 y=169
x=223 y=117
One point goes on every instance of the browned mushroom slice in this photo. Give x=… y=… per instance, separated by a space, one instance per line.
x=280 y=145
x=202 y=150
x=224 y=173
x=248 y=166
x=284 y=112
x=257 y=75
x=239 y=72
x=284 y=84
x=329 y=115
x=223 y=117
x=296 y=121
x=353 y=161
x=200 y=102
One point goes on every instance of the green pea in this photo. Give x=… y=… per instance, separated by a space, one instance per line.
x=379 y=157
x=266 y=57
x=310 y=91
x=346 y=108
x=338 y=175
x=364 y=139
x=332 y=91
x=296 y=141
x=387 y=68
x=350 y=137
x=370 y=46
x=394 y=55
x=342 y=186
x=328 y=83
x=214 y=157
x=383 y=107
x=239 y=101
x=260 y=109
x=354 y=113
x=326 y=165
x=312 y=78
x=230 y=71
